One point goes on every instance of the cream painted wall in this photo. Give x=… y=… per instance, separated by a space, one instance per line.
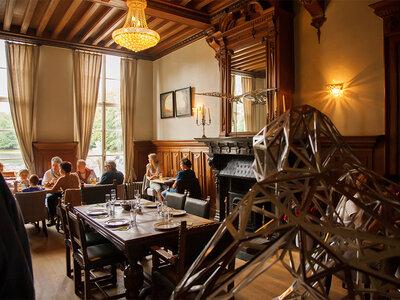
x=54 y=116
x=195 y=66
x=351 y=51
x=143 y=127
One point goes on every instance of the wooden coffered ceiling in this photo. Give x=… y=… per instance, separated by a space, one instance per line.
x=89 y=23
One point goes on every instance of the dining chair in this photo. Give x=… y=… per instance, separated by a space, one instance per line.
x=92 y=237
x=88 y=258
x=121 y=191
x=175 y=200
x=72 y=197
x=168 y=269
x=96 y=194
x=200 y=208
x=33 y=208
x=131 y=187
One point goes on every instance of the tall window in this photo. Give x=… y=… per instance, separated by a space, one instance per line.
x=237 y=108
x=10 y=154
x=106 y=141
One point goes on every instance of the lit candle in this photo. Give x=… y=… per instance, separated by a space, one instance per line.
x=209 y=115
x=275 y=103
x=203 y=113
x=284 y=104
x=197 y=114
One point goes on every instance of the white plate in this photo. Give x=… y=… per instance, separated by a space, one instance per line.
x=149 y=205
x=166 y=225
x=116 y=222
x=97 y=212
x=178 y=212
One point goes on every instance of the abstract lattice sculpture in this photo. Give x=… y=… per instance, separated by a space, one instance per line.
x=308 y=188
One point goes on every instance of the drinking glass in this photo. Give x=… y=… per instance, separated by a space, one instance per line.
x=167 y=214
x=133 y=213
x=159 y=207
x=108 y=203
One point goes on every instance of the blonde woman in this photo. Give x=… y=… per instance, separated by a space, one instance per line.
x=153 y=172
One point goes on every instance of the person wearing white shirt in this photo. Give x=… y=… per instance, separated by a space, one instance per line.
x=52 y=175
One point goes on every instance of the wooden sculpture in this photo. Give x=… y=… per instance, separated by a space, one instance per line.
x=310 y=190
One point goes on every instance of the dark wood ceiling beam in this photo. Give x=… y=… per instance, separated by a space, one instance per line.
x=46 y=17
x=8 y=15
x=167 y=11
x=96 y=26
x=184 y=2
x=161 y=28
x=154 y=22
x=173 y=40
x=172 y=31
x=253 y=65
x=30 y=9
x=217 y=6
x=67 y=16
x=115 y=24
x=83 y=20
x=202 y=3
x=249 y=61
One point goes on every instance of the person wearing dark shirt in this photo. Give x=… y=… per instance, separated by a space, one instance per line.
x=111 y=174
x=33 y=184
x=187 y=175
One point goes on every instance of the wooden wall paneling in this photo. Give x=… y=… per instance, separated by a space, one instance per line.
x=141 y=150
x=43 y=152
x=175 y=163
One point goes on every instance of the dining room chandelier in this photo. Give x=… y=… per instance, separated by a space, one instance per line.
x=135 y=35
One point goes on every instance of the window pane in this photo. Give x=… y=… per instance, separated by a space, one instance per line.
x=113 y=118
x=119 y=160
x=5 y=116
x=3 y=85
x=114 y=142
x=113 y=91
x=113 y=67
x=96 y=140
x=94 y=162
x=3 y=62
x=11 y=159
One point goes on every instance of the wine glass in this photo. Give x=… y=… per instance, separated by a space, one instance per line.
x=137 y=196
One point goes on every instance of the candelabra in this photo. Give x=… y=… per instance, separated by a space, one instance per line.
x=201 y=110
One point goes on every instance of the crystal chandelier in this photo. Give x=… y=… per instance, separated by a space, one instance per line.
x=135 y=35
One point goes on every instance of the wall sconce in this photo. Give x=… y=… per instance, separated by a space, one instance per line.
x=335 y=89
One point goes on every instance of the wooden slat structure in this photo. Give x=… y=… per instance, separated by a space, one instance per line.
x=89 y=23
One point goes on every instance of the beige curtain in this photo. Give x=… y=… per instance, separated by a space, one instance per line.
x=87 y=67
x=247 y=86
x=233 y=105
x=22 y=61
x=128 y=99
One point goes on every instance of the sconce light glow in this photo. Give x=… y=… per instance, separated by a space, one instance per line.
x=335 y=89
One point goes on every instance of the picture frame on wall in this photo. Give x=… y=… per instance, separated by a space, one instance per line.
x=167 y=105
x=183 y=102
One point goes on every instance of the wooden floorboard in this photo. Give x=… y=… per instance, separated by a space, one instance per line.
x=51 y=282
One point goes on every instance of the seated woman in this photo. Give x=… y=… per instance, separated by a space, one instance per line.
x=33 y=184
x=153 y=172
x=67 y=180
x=22 y=182
x=186 y=175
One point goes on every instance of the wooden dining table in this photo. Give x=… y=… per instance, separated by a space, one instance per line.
x=136 y=241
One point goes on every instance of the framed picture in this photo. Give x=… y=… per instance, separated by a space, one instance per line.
x=167 y=105
x=183 y=102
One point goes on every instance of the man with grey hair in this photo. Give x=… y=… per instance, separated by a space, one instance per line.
x=50 y=178
x=111 y=173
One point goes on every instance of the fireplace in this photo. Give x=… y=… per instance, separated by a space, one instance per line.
x=231 y=159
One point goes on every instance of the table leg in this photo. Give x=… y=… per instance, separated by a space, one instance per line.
x=133 y=280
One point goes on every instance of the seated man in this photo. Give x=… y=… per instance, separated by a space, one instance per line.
x=85 y=174
x=111 y=174
x=51 y=176
x=188 y=178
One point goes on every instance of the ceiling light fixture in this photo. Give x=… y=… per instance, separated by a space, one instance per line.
x=335 y=89
x=135 y=35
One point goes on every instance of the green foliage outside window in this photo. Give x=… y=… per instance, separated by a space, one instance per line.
x=8 y=140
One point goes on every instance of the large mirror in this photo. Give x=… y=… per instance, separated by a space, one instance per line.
x=248 y=67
